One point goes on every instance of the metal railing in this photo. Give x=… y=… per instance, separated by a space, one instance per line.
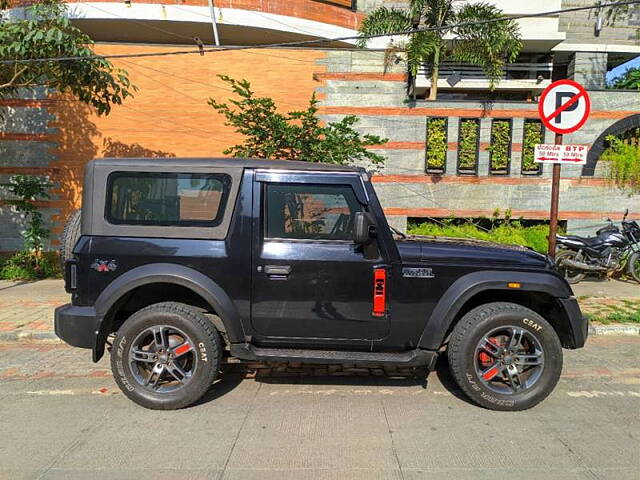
x=512 y=71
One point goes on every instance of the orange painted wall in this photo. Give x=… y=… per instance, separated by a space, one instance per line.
x=169 y=115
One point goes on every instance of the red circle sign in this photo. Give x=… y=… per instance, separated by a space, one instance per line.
x=564 y=106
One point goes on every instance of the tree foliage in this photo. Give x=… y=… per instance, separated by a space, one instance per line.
x=489 y=45
x=629 y=80
x=46 y=32
x=296 y=135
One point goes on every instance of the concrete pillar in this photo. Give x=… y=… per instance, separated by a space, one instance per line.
x=517 y=134
x=483 y=155
x=453 y=124
x=588 y=69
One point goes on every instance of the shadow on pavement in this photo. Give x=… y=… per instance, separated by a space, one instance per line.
x=17 y=284
x=231 y=378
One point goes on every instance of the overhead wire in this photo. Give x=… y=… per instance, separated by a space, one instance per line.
x=317 y=41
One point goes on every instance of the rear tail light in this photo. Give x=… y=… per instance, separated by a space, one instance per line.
x=70 y=275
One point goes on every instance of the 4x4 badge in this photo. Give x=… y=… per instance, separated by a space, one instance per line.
x=104 y=265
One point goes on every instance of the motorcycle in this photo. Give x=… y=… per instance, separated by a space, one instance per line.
x=610 y=251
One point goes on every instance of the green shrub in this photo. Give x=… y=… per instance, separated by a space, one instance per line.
x=436 y=143
x=624 y=164
x=533 y=135
x=500 y=142
x=508 y=232
x=31 y=262
x=468 y=144
x=26 y=266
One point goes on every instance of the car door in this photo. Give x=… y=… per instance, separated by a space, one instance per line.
x=311 y=281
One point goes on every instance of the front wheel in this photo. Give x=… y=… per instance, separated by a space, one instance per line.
x=570 y=274
x=166 y=356
x=633 y=266
x=505 y=356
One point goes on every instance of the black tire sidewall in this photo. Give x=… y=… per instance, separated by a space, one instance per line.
x=633 y=271
x=573 y=279
x=536 y=326
x=207 y=354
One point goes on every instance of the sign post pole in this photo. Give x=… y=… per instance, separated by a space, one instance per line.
x=564 y=107
x=555 y=193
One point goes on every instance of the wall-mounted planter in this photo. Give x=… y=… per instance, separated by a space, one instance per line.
x=436 y=145
x=468 y=146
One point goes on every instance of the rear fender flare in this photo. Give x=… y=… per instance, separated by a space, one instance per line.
x=200 y=284
x=471 y=284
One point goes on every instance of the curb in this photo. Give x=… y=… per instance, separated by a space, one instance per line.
x=614 y=329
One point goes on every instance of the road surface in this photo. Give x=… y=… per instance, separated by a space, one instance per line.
x=62 y=417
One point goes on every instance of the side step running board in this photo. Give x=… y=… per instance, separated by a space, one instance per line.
x=411 y=358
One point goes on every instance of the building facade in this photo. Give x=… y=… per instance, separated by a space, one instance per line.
x=466 y=154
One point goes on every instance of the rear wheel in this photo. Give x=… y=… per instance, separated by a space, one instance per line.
x=166 y=356
x=570 y=274
x=505 y=356
x=634 y=266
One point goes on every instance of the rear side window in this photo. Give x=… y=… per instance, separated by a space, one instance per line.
x=166 y=199
x=310 y=212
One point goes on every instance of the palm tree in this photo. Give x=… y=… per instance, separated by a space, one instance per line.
x=455 y=35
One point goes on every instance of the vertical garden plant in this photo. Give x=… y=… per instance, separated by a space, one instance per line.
x=436 y=145
x=500 y=148
x=468 y=145
x=533 y=134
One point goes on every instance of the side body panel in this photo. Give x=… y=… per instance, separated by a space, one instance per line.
x=217 y=270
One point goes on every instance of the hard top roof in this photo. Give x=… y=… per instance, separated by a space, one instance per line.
x=224 y=163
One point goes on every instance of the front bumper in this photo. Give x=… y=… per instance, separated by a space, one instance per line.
x=578 y=323
x=78 y=326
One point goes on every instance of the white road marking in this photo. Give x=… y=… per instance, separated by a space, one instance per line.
x=52 y=392
x=598 y=394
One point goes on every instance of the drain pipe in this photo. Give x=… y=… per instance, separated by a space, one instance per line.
x=214 y=24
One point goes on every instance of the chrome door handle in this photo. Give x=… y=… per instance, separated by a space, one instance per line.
x=277 y=270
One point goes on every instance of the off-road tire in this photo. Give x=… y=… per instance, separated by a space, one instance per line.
x=70 y=236
x=473 y=326
x=572 y=276
x=208 y=351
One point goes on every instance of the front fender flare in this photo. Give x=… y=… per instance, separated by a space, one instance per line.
x=471 y=284
x=209 y=290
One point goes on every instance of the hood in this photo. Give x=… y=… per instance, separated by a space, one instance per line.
x=470 y=251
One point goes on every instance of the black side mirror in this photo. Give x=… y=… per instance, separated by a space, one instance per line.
x=363 y=228
x=626 y=212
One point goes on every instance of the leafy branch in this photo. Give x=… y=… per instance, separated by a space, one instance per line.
x=296 y=135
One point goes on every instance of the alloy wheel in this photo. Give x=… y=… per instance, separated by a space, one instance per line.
x=509 y=360
x=162 y=359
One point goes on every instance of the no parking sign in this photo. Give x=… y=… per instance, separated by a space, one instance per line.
x=564 y=106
